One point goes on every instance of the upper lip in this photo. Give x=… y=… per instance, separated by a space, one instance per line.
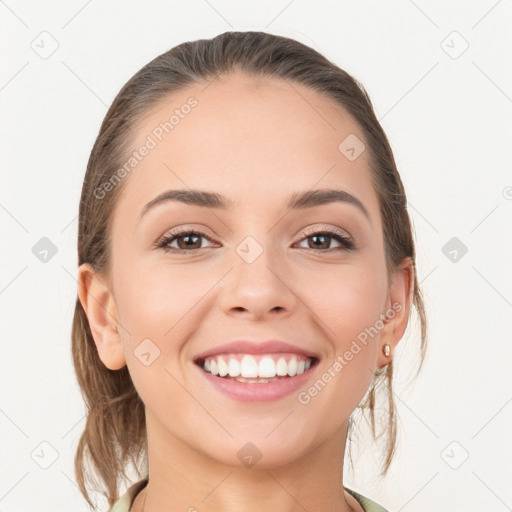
x=255 y=347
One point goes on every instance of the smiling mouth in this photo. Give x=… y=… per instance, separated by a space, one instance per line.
x=256 y=368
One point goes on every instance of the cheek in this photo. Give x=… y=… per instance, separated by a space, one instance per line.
x=168 y=303
x=347 y=303
x=164 y=302
x=161 y=303
x=155 y=306
x=348 y=298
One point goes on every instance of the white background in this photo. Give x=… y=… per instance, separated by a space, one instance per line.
x=448 y=118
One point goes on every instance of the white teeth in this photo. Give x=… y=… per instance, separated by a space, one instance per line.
x=233 y=367
x=282 y=367
x=223 y=367
x=267 y=367
x=249 y=368
x=292 y=367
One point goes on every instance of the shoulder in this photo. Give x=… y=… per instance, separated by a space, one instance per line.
x=124 y=503
x=367 y=504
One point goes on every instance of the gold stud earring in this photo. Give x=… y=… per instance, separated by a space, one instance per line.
x=386 y=349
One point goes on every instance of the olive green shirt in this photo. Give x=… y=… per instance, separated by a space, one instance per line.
x=124 y=503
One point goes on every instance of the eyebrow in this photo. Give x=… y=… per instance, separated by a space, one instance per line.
x=297 y=201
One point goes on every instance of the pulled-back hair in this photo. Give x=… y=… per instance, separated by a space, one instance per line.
x=115 y=430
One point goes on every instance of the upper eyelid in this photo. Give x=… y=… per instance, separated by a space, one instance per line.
x=204 y=232
x=183 y=231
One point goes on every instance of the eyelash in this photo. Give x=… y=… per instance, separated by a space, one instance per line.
x=346 y=243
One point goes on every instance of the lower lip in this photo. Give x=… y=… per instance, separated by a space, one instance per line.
x=258 y=392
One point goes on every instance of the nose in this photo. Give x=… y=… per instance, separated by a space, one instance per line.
x=259 y=287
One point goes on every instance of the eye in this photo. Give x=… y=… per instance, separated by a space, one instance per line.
x=188 y=241
x=322 y=238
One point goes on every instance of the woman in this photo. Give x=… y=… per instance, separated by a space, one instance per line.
x=246 y=270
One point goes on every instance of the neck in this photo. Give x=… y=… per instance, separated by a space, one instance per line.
x=182 y=478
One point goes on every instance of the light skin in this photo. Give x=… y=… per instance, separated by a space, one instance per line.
x=255 y=142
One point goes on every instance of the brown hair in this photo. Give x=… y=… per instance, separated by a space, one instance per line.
x=115 y=430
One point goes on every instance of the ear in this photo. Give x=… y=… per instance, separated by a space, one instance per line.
x=398 y=306
x=98 y=303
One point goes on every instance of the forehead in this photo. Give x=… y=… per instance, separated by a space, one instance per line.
x=255 y=140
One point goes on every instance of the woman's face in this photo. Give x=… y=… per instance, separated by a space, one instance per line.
x=258 y=272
